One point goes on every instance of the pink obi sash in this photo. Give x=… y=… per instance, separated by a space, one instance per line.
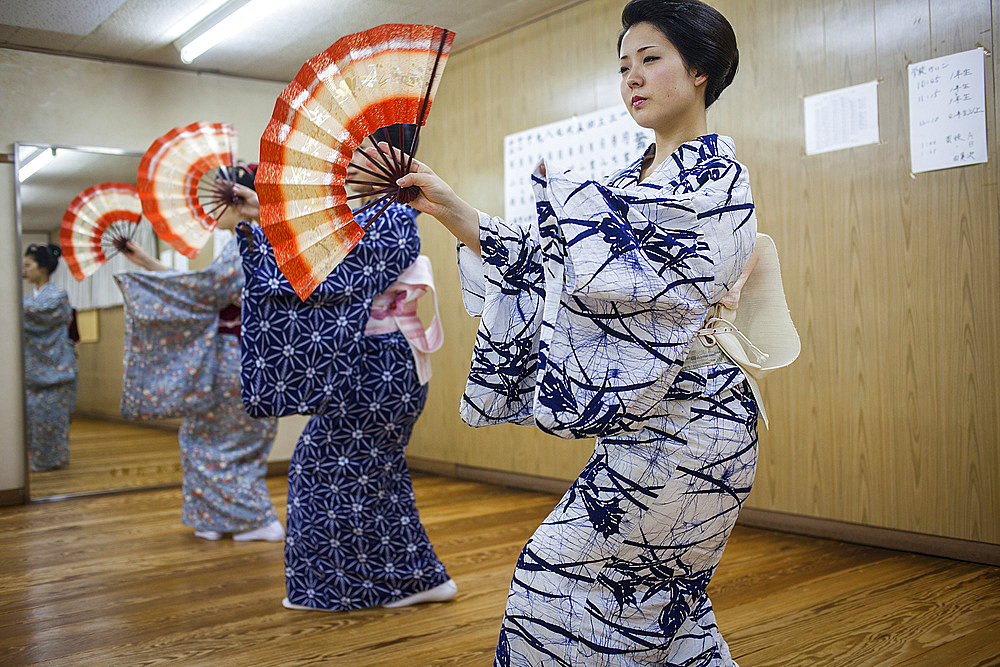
x=396 y=310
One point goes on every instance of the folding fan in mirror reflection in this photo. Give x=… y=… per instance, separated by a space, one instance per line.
x=186 y=181
x=97 y=225
x=363 y=83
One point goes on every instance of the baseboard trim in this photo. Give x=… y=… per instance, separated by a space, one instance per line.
x=487 y=476
x=274 y=468
x=872 y=536
x=842 y=531
x=13 y=497
x=168 y=424
x=277 y=468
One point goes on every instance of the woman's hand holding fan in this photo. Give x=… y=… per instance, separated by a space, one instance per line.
x=436 y=198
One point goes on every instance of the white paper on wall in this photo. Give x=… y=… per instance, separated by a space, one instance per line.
x=594 y=146
x=842 y=118
x=948 y=111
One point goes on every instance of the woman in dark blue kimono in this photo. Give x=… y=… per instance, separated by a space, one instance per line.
x=592 y=326
x=354 y=537
x=50 y=372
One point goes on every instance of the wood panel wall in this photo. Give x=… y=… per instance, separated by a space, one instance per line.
x=891 y=416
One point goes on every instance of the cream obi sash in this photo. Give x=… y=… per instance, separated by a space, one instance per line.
x=759 y=337
x=396 y=310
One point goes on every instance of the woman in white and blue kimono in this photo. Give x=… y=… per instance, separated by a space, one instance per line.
x=50 y=372
x=590 y=328
x=182 y=358
x=355 y=538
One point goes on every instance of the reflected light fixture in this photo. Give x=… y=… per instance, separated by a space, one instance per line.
x=36 y=161
x=227 y=21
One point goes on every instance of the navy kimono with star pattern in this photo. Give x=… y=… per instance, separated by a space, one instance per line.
x=354 y=537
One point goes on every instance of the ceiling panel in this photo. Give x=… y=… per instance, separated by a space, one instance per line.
x=144 y=30
x=42 y=39
x=72 y=18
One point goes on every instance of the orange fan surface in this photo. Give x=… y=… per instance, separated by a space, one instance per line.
x=363 y=83
x=185 y=183
x=96 y=226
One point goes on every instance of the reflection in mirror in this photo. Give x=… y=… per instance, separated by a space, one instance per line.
x=105 y=452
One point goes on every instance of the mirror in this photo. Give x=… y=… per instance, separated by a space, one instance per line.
x=106 y=453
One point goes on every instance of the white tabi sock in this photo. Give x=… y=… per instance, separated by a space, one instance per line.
x=208 y=534
x=442 y=593
x=272 y=532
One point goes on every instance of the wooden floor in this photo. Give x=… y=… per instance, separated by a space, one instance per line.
x=106 y=455
x=117 y=580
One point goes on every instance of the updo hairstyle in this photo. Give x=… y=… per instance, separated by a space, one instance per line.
x=46 y=255
x=701 y=34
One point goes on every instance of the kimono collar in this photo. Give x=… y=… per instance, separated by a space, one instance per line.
x=686 y=157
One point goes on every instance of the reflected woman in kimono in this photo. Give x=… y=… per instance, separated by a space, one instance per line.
x=183 y=359
x=590 y=321
x=355 y=538
x=50 y=372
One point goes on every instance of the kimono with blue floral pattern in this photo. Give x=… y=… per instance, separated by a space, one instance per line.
x=589 y=329
x=50 y=376
x=178 y=363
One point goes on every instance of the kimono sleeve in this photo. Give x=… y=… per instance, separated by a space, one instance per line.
x=630 y=276
x=682 y=242
x=301 y=356
x=506 y=289
x=49 y=310
x=49 y=358
x=171 y=325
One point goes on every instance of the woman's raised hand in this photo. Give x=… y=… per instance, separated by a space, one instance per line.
x=437 y=199
x=248 y=208
x=141 y=258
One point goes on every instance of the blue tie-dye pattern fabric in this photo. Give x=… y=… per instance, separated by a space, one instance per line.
x=589 y=320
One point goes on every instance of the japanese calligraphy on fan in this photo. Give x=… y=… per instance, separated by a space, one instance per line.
x=948 y=111
x=592 y=146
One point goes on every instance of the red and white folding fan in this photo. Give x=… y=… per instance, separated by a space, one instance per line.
x=97 y=225
x=185 y=182
x=363 y=83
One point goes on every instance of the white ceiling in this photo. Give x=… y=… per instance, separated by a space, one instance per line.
x=143 y=31
x=45 y=196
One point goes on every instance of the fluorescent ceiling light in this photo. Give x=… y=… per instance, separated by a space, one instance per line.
x=222 y=25
x=37 y=160
x=188 y=23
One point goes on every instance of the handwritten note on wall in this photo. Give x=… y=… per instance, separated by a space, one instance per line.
x=948 y=111
x=843 y=118
x=594 y=145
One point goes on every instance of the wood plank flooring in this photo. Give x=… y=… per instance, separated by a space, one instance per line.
x=117 y=580
x=106 y=455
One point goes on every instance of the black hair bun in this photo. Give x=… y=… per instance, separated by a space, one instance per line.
x=46 y=255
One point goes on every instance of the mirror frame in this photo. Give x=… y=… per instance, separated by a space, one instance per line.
x=19 y=227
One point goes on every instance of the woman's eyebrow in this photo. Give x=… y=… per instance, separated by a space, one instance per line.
x=640 y=50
